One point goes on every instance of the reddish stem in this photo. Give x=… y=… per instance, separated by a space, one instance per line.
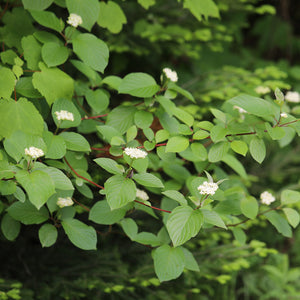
x=99 y=149
x=156 y=208
x=94 y=117
x=83 y=206
x=4 y=10
x=92 y=182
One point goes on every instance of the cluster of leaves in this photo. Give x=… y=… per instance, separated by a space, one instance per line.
x=48 y=67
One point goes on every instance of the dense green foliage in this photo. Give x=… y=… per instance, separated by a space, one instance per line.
x=103 y=149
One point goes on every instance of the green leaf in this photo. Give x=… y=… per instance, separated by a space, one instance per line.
x=119 y=191
x=239 y=235
x=56 y=146
x=200 y=135
x=20 y=195
x=235 y=164
x=47 y=235
x=218 y=151
x=130 y=228
x=175 y=195
x=290 y=197
x=60 y=180
x=17 y=142
x=111 y=16
x=53 y=83
x=207 y=8
x=257 y=149
x=256 y=106
x=168 y=262
x=8 y=57
x=80 y=234
x=38 y=185
x=98 y=100
x=147 y=238
x=10 y=227
x=37 y=5
x=109 y=165
x=28 y=214
x=183 y=224
x=112 y=81
x=7 y=187
x=87 y=71
x=121 y=118
x=161 y=135
x=91 y=50
x=109 y=132
x=249 y=207
x=239 y=147
x=25 y=88
x=189 y=261
x=177 y=144
x=183 y=116
x=7 y=83
x=101 y=213
x=21 y=115
x=75 y=141
x=32 y=51
x=279 y=223
x=48 y=19
x=143 y=119
x=279 y=95
x=87 y=9
x=180 y=90
x=132 y=133
x=146 y=3
x=219 y=115
x=138 y=85
x=211 y=217
x=218 y=133
x=54 y=54
x=65 y=104
x=148 y=179
x=276 y=133
x=292 y=216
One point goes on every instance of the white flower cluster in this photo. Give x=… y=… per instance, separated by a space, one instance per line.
x=142 y=195
x=172 y=75
x=34 y=152
x=135 y=152
x=208 y=188
x=63 y=202
x=267 y=198
x=292 y=97
x=240 y=110
x=262 y=90
x=283 y=115
x=74 y=20
x=64 y=115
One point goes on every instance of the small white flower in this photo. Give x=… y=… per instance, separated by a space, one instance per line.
x=74 y=20
x=267 y=198
x=283 y=115
x=262 y=90
x=208 y=188
x=135 y=152
x=172 y=75
x=142 y=195
x=62 y=202
x=240 y=110
x=34 y=152
x=292 y=97
x=64 y=115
